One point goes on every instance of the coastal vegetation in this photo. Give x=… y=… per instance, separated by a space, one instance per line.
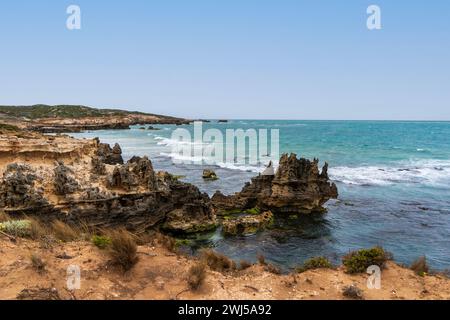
x=358 y=261
x=315 y=263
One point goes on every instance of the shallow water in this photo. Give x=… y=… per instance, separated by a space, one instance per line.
x=393 y=180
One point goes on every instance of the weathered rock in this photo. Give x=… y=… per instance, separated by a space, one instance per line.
x=97 y=166
x=247 y=224
x=137 y=172
x=297 y=187
x=64 y=183
x=209 y=175
x=110 y=155
x=17 y=188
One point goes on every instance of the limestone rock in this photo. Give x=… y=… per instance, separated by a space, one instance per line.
x=64 y=183
x=17 y=188
x=297 y=187
x=110 y=155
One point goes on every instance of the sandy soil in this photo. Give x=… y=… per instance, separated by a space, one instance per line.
x=160 y=274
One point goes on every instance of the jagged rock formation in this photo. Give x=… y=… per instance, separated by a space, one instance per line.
x=64 y=183
x=108 y=155
x=18 y=190
x=297 y=187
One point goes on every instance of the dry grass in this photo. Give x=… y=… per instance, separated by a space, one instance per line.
x=37 y=263
x=63 y=231
x=37 y=230
x=244 y=264
x=261 y=259
x=196 y=275
x=165 y=241
x=4 y=217
x=217 y=261
x=420 y=266
x=272 y=269
x=123 y=249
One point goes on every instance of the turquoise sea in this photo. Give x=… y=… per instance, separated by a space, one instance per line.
x=393 y=180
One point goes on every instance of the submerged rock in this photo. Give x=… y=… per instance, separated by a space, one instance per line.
x=209 y=175
x=247 y=224
x=296 y=187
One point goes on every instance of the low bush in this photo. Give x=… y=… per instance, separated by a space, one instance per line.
x=217 y=261
x=420 y=266
x=315 y=263
x=123 y=249
x=196 y=275
x=63 y=231
x=358 y=261
x=16 y=228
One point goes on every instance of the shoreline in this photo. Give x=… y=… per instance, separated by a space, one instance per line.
x=95 y=183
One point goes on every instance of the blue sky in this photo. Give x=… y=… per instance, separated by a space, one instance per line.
x=231 y=59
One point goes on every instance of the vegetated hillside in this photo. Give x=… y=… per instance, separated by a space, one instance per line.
x=63 y=111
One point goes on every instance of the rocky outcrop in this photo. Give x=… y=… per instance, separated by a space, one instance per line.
x=17 y=188
x=109 y=155
x=64 y=183
x=137 y=172
x=296 y=187
x=247 y=224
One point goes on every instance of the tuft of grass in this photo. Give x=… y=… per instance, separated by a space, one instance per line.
x=4 y=216
x=353 y=292
x=37 y=231
x=261 y=259
x=420 y=266
x=123 y=249
x=16 y=228
x=217 y=261
x=358 y=261
x=244 y=264
x=196 y=275
x=315 y=263
x=166 y=241
x=272 y=269
x=63 y=231
x=101 y=242
x=37 y=263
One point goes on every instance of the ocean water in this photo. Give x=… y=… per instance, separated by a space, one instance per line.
x=393 y=180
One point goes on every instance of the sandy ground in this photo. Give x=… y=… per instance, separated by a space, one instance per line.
x=160 y=274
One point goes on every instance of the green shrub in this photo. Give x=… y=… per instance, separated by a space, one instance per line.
x=315 y=263
x=359 y=261
x=101 y=242
x=16 y=228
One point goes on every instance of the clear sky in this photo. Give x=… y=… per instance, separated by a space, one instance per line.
x=284 y=59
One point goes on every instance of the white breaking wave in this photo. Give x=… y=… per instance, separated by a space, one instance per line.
x=429 y=172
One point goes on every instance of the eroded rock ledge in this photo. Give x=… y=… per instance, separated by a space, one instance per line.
x=296 y=187
x=77 y=180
